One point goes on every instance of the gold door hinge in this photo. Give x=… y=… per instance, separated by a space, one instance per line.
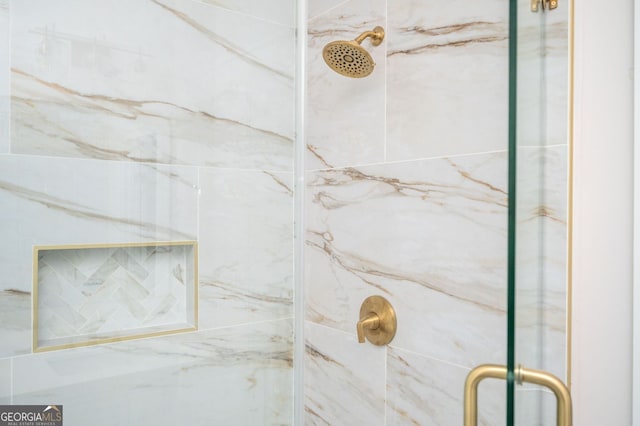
x=546 y=4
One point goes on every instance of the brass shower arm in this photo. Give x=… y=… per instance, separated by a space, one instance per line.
x=377 y=35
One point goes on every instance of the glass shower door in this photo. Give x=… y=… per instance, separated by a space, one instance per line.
x=540 y=286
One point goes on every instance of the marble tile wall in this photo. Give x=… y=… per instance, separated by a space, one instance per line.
x=542 y=77
x=425 y=391
x=278 y=11
x=434 y=247
x=5 y=61
x=65 y=201
x=344 y=380
x=246 y=272
x=447 y=79
x=5 y=381
x=409 y=201
x=235 y=375
x=448 y=287
x=318 y=7
x=542 y=298
x=142 y=121
x=413 y=157
x=141 y=91
x=345 y=117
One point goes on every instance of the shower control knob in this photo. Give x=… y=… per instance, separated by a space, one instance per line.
x=377 y=321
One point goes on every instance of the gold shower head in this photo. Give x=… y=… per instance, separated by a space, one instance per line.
x=348 y=58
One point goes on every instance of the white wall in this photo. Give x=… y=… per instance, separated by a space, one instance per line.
x=603 y=198
x=636 y=215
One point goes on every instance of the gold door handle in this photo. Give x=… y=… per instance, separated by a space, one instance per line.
x=564 y=416
x=474 y=378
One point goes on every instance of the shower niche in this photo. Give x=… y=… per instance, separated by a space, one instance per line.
x=90 y=294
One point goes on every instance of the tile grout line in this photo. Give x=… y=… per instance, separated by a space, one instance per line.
x=311 y=18
x=386 y=159
x=429 y=357
x=414 y=160
x=386 y=385
x=437 y=157
x=243 y=14
x=156 y=165
x=385 y=139
x=197 y=248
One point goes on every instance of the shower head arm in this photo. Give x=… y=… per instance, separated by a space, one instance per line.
x=377 y=35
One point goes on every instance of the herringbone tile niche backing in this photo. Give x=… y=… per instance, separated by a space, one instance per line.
x=91 y=294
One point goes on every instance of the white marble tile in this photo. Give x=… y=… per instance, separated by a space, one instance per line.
x=280 y=11
x=447 y=78
x=345 y=116
x=556 y=56
x=344 y=380
x=5 y=71
x=541 y=259
x=246 y=247
x=15 y=322
x=534 y=406
x=63 y=201
x=425 y=391
x=318 y=7
x=543 y=60
x=189 y=84
x=430 y=236
x=238 y=375
x=5 y=381
x=492 y=403
x=98 y=293
x=555 y=246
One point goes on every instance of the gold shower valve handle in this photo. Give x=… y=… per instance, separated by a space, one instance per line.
x=377 y=321
x=369 y=322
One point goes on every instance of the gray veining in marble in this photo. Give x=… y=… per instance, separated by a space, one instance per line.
x=238 y=375
x=447 y=78
x=430 y=236
x=51 y=201
x=344 y=380
x=5 y=66
x=542 y=259
x=246 y=231
x=111 y=91
x=345 y=116
x=423 y=391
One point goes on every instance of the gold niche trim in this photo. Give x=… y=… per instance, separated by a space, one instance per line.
x=98 y=341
